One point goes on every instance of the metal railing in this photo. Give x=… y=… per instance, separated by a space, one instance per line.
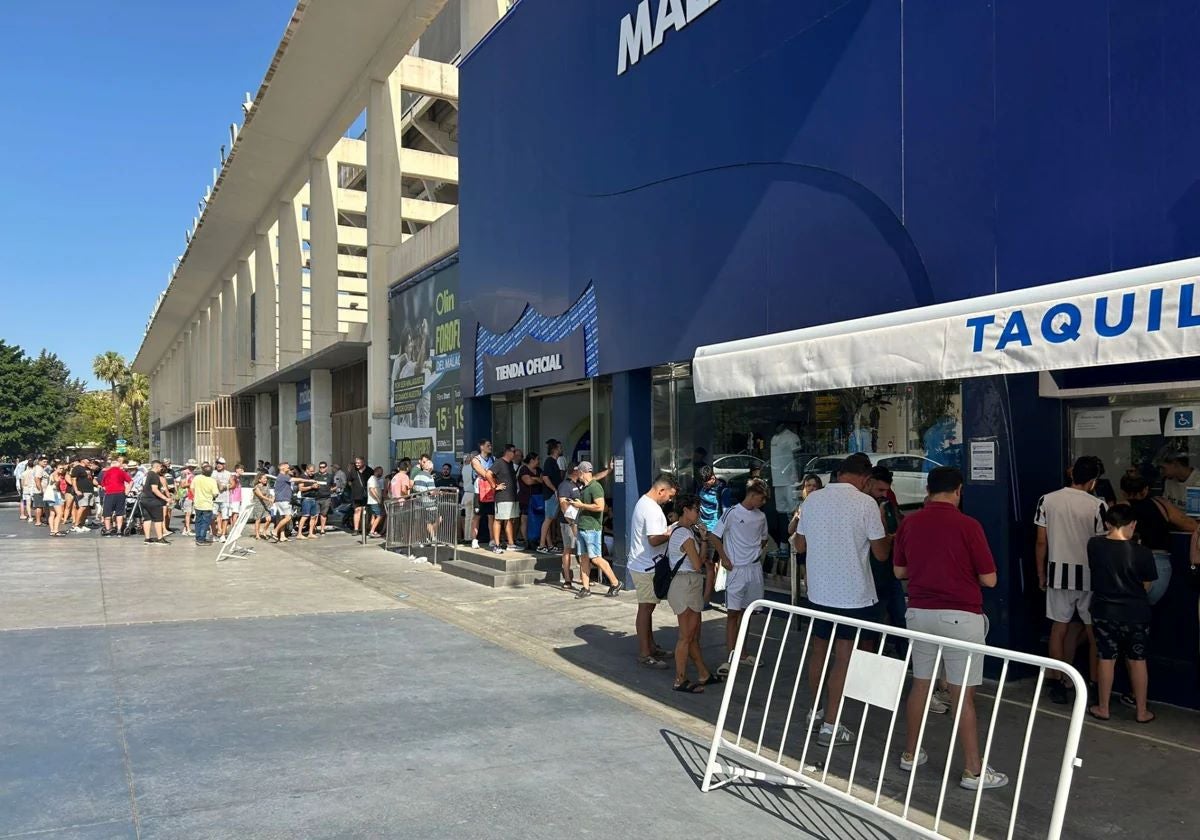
x=764 y=707
x=424 y=526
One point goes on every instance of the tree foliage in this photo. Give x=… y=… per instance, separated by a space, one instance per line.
x=36 y=397
x=92 y=423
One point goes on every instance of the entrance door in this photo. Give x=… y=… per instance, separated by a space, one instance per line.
x=565 y=414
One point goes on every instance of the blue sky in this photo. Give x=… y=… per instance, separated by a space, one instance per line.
x=113 y=117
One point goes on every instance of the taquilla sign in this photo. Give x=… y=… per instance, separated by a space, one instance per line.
x=1140 y=315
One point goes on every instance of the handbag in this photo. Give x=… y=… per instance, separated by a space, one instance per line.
x=487 y=491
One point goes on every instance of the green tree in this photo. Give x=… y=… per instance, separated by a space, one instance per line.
x=91 y=423
x=137 y=396
x=36 y=396
x=110 y=367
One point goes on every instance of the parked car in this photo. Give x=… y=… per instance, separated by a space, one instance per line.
x=8 y=479
x=731 y=468
x=909 y=472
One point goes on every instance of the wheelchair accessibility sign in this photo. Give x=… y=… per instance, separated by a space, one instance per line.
x=1184 y=420
x=1181 y=421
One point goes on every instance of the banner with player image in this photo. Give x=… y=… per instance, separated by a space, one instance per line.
x=425 y=351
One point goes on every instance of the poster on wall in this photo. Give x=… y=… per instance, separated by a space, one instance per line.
x=425 y=352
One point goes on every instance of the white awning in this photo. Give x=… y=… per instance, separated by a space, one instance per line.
x=1143 y=314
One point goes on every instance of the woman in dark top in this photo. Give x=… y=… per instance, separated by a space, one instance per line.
x=1122 y=572
x=1156 y=519
x=529 y=496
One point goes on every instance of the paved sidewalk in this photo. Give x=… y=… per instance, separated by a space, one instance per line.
x=1121 y=790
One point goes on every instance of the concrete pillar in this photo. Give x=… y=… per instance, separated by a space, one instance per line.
x=189 y=370
x=290 y=297
x=245 y=286
x=264 y=304
x=212 y=353
x=262 y=428
x=321 y=424
x=384 y=232
x=632 y=423
x=229 y=336
x=476 y=18
x=288 y=449
x=323 y=256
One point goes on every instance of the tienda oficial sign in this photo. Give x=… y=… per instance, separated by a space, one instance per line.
x=642 y=34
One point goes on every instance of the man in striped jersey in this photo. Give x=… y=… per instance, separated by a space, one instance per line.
x=423 y=489
x=1066 y=519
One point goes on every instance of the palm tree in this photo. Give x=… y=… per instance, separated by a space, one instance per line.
x=110 y=367
x=137 y=395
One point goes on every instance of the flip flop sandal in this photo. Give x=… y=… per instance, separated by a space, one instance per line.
x=1153 y=717
x=1097 y=717
x=723 y=669
x=713 y=679
x=689 y=688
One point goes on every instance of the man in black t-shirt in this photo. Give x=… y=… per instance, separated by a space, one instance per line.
x=552 y=476
x=153 y=500
x=356 y=480
x=508 y=511
x=85 y=488
x=323 y=494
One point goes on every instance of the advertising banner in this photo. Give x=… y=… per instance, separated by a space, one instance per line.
x=425 y=350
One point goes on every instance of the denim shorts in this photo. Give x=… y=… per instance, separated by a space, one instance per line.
x=376 y=510
x=309 y=507
x=588 y=542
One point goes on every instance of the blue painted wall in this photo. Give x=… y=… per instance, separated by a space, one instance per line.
x=782 y=163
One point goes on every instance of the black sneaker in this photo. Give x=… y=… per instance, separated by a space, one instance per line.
x=162 y=541
x=149 y=541
x=614 y=590
x=586 y=592
x=1060 y=693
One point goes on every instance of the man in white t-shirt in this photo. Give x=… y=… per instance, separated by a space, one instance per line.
x=738 y=539
x=1066 y=519
x=648 y=533
x=1178 y=475
x=841 y=529
x=224 y=479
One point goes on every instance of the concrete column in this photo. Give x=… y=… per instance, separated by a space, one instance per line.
x=228 y=334
x=323 y=256
x=321 y=425
x=189 y=369
x=245 y=285
x=290 y=298
x=288 y=448
x=384 y=232
x=632 y=423
x=262 y=428
x=476 y=18
x=264 y=303
x=213 y=353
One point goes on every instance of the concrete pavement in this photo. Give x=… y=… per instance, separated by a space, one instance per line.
x=151 y=692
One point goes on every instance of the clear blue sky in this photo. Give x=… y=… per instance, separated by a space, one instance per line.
x=113 y=115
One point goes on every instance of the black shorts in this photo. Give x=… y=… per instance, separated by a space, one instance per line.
x=1120 y=638
x=359 y=503
x=825 y=629
x=114 y=504
x=153 y=511
x=324 y=505
x=486 y=508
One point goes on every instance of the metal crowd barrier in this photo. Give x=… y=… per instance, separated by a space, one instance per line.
x=773 y=704
x=424 y=526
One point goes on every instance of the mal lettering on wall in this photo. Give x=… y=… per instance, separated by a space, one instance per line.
x=426 y=355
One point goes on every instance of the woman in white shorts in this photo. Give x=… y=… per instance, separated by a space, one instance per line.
x=686 y=595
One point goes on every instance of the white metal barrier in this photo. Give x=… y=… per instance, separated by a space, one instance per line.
x=767 y=719
x=424 y=525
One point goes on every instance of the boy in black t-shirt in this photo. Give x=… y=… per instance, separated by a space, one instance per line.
x=1122 y=572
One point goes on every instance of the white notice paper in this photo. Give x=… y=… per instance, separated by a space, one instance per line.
x=618 y=470
x=875 y=679
x=1141 y=421
x=983 y=460
x=1094 y=423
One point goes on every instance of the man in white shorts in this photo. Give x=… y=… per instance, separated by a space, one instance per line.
x=224 y=479
x=648 y=534
x=739 y=538
x=944 y=555
x=1066 y=519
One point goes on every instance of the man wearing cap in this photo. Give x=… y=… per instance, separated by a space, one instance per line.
x=589 y=509
x=224 y=480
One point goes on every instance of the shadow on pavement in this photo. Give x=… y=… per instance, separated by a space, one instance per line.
x=813 y=816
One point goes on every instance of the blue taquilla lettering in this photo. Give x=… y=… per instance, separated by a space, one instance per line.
x=1103 y=327
x=1015 y=330
x=1061 y=323
x=1113 y=315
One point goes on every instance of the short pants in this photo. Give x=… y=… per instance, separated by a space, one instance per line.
x=643 y=585
x=507 y=510
x=743 y=586
x=568 y=535
x=1121 y=638
x=309 y=507
x=686 y=593
x=953 y=624
x=1062 y=604
x=282 y=509
x=152 y=511
x=324 y=505
x=84 y=500
x=825 y=629
x=588 y=543
x=114 y=504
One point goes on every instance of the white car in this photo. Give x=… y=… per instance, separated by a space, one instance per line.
x=733 y=467
x=909 y=472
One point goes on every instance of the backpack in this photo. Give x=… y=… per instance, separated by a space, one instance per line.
x=664 y=573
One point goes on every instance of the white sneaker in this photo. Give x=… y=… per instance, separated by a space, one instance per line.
x=844 y=737
x=221 y=539
x=474 y=543
x=987 y=780
x=816 y=718
x=906 y=761
x=940 y=703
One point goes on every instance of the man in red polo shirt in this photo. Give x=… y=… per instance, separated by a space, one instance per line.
x=115 y=482
x=944 y=555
